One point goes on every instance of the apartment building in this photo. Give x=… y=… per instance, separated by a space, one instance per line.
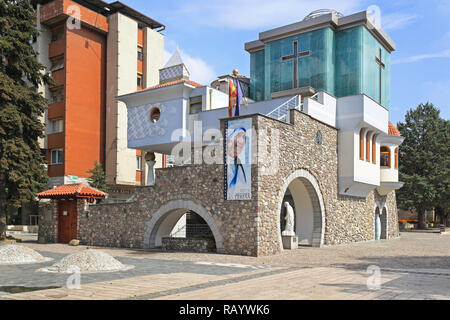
x=95 y=51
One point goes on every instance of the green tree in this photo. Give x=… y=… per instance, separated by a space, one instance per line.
x=424 y=160
x=22 y=170
x=98 y=177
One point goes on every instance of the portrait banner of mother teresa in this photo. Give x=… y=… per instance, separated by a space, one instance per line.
x=238 y=175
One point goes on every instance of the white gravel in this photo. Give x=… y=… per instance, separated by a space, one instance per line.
x=11 y=254
x=87 y=261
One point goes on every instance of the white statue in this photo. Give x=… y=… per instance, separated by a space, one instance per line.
x=150 y=159
x=289 y=217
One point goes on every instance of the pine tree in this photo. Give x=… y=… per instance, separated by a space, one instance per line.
x=22 y=170
x=98 y=177
x=424 y=160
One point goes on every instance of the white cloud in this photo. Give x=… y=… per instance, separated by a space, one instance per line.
x=442 y=54
x=200 y=71
x=399 y=20
x=257 y=14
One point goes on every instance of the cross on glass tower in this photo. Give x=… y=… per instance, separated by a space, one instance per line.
x=294 y=56
x=381 y=66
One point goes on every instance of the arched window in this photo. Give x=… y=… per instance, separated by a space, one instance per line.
x=361 y=144
x=396 y=158
x=385 y=157
x=374 y=149
x=368 y=146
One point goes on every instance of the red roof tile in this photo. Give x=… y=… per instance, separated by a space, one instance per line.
x=393 y=131
x=171 y=83
x=78 y=190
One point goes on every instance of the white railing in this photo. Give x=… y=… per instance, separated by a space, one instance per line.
x=315 y=97
x=282 y=112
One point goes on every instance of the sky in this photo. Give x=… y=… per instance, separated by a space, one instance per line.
x=211 y=35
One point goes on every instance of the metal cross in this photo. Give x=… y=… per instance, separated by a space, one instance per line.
x=294 y=56
x=381 y=66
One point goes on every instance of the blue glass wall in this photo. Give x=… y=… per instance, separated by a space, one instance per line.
x=348 y=62
x=315 y=70
x=257 y=75
x=341 y=63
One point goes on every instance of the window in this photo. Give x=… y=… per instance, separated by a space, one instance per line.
x=368 y=146
x=139 y=81
x=361 y=144
x=155 y=114
x=138 y=163
x=56 y=156
x=195 y=105
x=56 y=126
x=374 y=149
x=396 y=158
x=57 y=34
x=385 y=157
x=56 y=96
x=57 y=64
x=140 y=53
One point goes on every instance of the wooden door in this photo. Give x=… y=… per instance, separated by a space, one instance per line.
x=67 y=221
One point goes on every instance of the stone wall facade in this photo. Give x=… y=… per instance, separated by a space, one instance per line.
x=48 y=222
x=188 y=245
x=250 y=227
x=48 y=219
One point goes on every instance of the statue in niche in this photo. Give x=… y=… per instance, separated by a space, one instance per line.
x=289 y=218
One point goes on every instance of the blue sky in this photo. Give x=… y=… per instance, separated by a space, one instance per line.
x=211 y=36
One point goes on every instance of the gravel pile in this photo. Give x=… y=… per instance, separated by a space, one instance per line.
x=87 y=261
x=11 y=254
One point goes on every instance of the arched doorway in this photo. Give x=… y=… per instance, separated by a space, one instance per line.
x=380 y=224
x=165 y=219
x=302 y=191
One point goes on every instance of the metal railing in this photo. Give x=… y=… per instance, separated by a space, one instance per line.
x=193 y=230
x=282 y=112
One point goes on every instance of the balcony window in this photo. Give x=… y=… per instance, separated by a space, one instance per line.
x=374 y=149
x=139 y=81
x=138 y=163
x=368 y=146
x=56 y=156
x=57 y=34
x=396 y=158
x=140 y=53
x=361 y=144
x=195 y=105
x=56 y=96
x=385 y=157
x=56 y=126
x=57 y=64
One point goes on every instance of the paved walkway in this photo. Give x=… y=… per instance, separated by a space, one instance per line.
x=416 y=266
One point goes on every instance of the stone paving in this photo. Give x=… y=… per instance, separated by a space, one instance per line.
x=415 y=266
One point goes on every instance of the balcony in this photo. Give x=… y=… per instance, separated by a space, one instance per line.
x=389 y=174
x=56 y=110
x=57 y=48
x=59 y=77
x=55 y=140
x=58 y=10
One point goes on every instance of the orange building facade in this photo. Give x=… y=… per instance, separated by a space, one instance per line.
x=80 y=44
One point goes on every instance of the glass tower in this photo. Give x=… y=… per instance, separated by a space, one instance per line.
x=342 y=63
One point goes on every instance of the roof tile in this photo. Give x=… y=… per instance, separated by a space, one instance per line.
x=78 y=190
x=392 y=130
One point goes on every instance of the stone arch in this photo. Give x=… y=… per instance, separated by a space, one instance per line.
x=318 y=207
x=167 y=216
